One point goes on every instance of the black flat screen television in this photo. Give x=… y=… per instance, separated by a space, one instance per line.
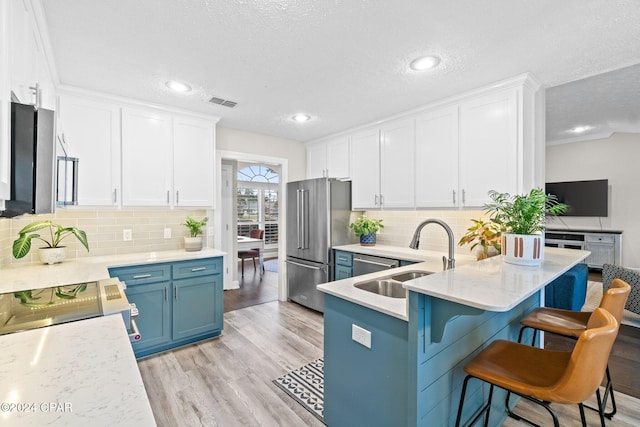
x=584 y=198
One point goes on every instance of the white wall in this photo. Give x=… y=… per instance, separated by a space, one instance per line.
x=616 y=159
x=248 y=142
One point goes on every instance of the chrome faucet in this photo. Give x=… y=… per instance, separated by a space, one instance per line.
x=447 y=263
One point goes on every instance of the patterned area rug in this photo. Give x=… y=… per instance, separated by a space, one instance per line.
x=306 y=386
x=271 y=265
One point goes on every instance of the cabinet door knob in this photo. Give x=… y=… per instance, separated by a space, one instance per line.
x=168 y=195
x=454 y=196
x=177 y=197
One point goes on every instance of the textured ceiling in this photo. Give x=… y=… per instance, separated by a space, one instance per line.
x=607 y=103
x=342 y=62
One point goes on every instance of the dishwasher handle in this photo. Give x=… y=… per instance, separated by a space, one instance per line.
x=381 y=264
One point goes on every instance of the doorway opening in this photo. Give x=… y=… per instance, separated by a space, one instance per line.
x=252 y=194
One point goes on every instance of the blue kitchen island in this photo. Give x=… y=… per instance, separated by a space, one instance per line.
x=399 y=361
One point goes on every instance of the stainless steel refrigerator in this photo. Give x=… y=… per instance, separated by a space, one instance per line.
x=318 y=213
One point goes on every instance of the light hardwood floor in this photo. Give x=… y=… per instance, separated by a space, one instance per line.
x=228 y=381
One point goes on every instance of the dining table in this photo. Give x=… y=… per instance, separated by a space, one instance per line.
x=248 y=243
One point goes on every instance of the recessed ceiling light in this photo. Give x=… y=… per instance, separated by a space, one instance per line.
x=300 y=118
x=580 y=129
x=178 y=86
x=424 y=63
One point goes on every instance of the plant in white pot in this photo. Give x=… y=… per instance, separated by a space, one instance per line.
x=366 y=228
x=52 y=253
x=194 y=241
x=521 y=218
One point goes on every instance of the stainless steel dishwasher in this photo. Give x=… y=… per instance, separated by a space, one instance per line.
x=363 y=264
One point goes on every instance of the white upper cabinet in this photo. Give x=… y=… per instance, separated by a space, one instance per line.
x=147 y=169
x=397 y=160
x=5 y=106
x=382 y=162
x=316 y=160
x=365 y=169
x=436 y=174
x=31 y=79
x=489 y=146
x=329 y=159
x=91 y=130
x=193 y=160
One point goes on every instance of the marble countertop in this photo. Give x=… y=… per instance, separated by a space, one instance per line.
x=397 y=307
x=404 y=253
x=19 y=277
x=490 y=284
x=76 y=374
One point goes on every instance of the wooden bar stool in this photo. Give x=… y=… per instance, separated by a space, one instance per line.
x=572 y=323
x=545 y=376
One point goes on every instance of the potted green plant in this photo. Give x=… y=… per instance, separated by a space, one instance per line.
x=194 y=241
x=522 y=218
x=487 y=235
x=366 y=228
x=53 y=252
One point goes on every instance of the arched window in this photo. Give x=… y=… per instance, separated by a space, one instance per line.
x=257 y=201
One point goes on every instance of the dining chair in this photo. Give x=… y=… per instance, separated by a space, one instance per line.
x=546 y=376
x=572 y=323
x=251 y=253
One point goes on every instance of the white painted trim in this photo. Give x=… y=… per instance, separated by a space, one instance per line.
x=130 y=102
x=282 y=232
x=526 y=79
x=45 y=40
x=582 y=138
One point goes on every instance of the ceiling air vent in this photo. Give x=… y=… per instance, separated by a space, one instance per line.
x=223 y=102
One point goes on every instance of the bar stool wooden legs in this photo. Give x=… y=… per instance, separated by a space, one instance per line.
x=572 y=323
x=546 y=376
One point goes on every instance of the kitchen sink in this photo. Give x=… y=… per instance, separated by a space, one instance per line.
x=391 y=286
x=386 y=287
x=409 y=275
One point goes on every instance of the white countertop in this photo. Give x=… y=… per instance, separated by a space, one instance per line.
x=404 y=253
x=491 y=284
x=396 y=307
x=19 y=277
x=76 y=374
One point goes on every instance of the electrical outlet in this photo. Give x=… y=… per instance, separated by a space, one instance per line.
x=210 y=231
x=361 y=335
x=167 y=233
x=126 y=234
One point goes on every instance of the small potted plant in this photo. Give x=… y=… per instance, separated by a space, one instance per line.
x=487 y=235
x=52 y=253
x=194 y=241
x=366 y=228
x=521 y=217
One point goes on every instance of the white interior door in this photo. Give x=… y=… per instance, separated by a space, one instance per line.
x=227 y=229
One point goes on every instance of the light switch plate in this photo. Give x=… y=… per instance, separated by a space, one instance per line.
x=361 y=335
x=126 y=234
x=167 y=233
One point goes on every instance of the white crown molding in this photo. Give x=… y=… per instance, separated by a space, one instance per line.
x=581 y=138
x=526 y=79
x=75 y=91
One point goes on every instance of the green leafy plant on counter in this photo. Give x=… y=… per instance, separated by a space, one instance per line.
x=57 y=233
x=486 y=234
x=523 y=213
x=365 y=225
x=194 y=226
x=31 y=298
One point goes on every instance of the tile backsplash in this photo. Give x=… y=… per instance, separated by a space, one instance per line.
x=399 y=227
x=104 y=230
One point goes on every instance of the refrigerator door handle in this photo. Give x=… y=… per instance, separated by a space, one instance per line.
x=298 y=232
x=304 y=265
x=303 y=211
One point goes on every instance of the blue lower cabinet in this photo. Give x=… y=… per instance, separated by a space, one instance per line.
x=185 y=309
x=343 y=272
x=152 y=301
x=192 y=317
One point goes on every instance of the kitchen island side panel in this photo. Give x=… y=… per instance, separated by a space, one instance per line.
x=364 y=386
x=443 y=337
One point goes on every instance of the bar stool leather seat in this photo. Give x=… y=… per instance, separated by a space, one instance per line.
x=546 y=376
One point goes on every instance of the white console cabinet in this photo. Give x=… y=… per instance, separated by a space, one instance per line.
x=605 y=246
